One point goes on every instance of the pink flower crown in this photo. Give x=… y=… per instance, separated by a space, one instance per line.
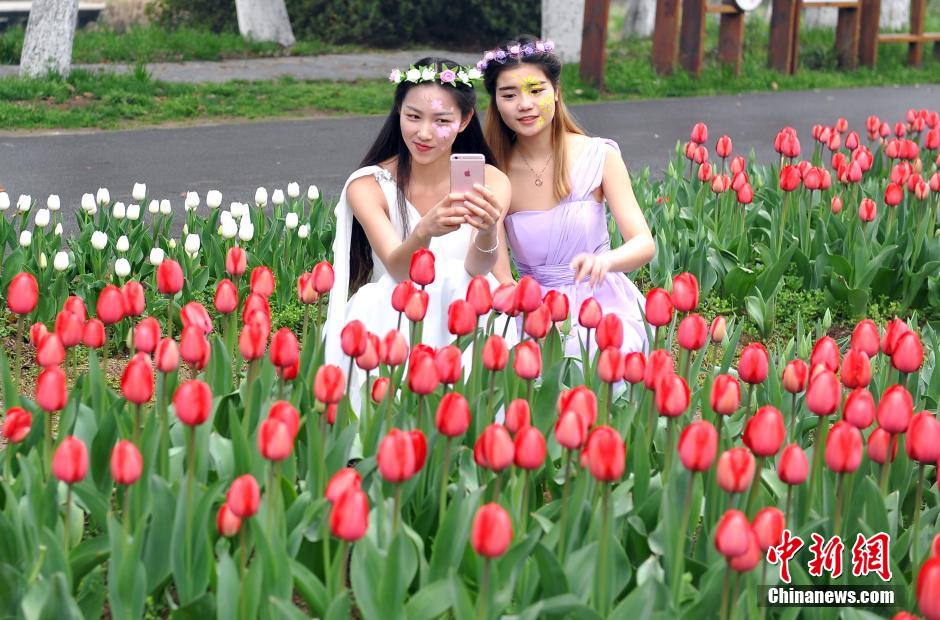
x=453 y=75
x=516 y=51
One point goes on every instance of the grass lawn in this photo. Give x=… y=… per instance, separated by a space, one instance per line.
x=120 y=101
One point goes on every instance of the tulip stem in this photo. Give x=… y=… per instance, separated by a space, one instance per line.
x=819 y=446
x=397 y=510
x=243 y=565
x=755 y=485
x=667 y=464
x=918 y=498
x=17 y=361
x=724 y=594
x=190 y=477
x=491 y=392
x=9 y=457
x=524 y=513
x=445 y=474
x=48 y=440
x=528 y=391
x=840 y=493
x=786 y=514
x=679 y=561
x=349 y=375
x=327 y=563
x=343 y=563
x=163 y=459
x=604 y=548
x=68 y=518
x=137 y=416
x=322 y=476
x=483 y=611
x=564 y=507
x=169 y=317
x=886 y=466
x=610 y=401
x=792 y=416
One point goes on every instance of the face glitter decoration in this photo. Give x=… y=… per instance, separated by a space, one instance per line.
x=437 y=104
x=445 y=130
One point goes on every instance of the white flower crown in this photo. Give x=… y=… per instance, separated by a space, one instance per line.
x=424 y=73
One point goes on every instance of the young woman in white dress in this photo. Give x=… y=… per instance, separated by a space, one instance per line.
x=400 y=201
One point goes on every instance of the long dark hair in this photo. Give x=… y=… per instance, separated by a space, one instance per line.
x=501 y=138
x=389 y=144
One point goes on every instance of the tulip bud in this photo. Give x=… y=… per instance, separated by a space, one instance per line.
x=895 y=409
x=752 y=367
x=923 y=438
x=193 y=402
x=329 y=384
x=606 y=454
x=349 y=516
x=126 y=463
x=658 y=307
x=731 y=534
x=735 y=470
x=698 y=445
x=226 y=522
x=518 y=415
x=16 y=425
x=244 y=497
x=396 y=457
x=590 y=313
x=843 y=448
x=422 y=267
x=528 y=361
x=453 y=415
x=764 y=432
x=70 y=461
x=491 y=531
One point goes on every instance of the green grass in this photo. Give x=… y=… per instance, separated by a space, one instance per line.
x=119 y=101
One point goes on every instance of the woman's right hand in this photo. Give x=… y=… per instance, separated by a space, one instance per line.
x=444 y=217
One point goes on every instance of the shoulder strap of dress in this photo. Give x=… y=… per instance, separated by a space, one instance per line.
x=595 y=156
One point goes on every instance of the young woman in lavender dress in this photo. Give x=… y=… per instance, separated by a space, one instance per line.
x=561 y=179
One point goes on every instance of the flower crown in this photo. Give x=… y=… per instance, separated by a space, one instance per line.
x=453 y=76
x=515 y=51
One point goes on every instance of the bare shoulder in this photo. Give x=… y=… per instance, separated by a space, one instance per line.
x=364 y=194
x=494 y=177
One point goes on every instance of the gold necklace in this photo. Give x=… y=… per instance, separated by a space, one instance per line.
x=538 y=175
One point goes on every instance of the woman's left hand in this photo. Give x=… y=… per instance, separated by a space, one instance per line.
x=593 y=265
x=484 y=209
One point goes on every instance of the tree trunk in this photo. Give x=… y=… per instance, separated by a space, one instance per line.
x=639 y=18
x=49 y=35
x=264 y=20
x=562 y=22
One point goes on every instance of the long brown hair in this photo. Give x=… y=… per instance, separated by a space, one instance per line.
x=498 y=135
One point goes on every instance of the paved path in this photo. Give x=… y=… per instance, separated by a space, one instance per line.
x=341 y=67
x=238 y=158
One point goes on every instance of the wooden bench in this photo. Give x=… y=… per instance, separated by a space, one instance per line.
x=17 y=12
x=784 y=48
x=682 y=29
x=916 y=38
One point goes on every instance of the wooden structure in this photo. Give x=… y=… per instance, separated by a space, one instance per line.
x=594 y=42
x=680 y=29
x=916 y=38
x=784 y=45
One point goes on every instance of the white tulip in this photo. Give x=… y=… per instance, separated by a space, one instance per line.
x=61 y=261
x=172 y=244
x=192 y=244
x=238 y=209
x=246 y=230
x=261 y=196
x=133 y=212
x=123 y=245
x=156 y=256
x=42 y=218
x=154 y=206
x=165 y=207
x=122 y=268
x=58 y=230
x=140 y=192
x=225 y=216
x=26 y=238
x=99 y=240
x=291 y=221
x=104 y=196
x=304 y=231
x=293 y=190
x=53 y=202
x=43 y=261
x=229 y=229
x=277 y=197
x=185 y=229
x=119 y=211
x=24 y=203
x=214 y=199
x=192 y=201
x=313 y=193
x=4 y=201
x=88 y=204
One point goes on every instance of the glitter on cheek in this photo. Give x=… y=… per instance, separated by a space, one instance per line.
x=445 y=131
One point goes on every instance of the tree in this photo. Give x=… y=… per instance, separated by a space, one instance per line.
x=264 y=20
x=49 y=35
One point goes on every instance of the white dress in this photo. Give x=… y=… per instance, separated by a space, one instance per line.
x=372 y=303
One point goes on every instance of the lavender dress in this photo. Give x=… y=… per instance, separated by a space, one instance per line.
x=543 y=243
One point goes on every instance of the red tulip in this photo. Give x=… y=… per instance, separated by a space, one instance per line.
x=590 y=313
x=528 y=294
x=286 y=413
x=609 y=332
x=893 y=332
x=23 y=294
x=226 y=522
x=685 y=292
x=928 y=587
x=262 y=281
x=658 y=364
x=877 y=447
x=557 y=305
x=894 y=194
x=735 y=470
x=494 y=448
x=748 y=560
x=329 y=384
x=69 y=327
x=794 y=377
x=306 y=292
x=752 y=368
x=693 y=332
x=768 y=525
x=461 y=318
x=345 y=479
x=606 y=454
x=396 y=456
x=453 y=415
x=634 y=367
x=923 y=438
x=764 y=432
x=789 y=178
x=824 y=394
x=147 y=335
x=93 y=335
x=285 y=350
x=417 y=306
x=528 y=361
x=698 y=445
x=110 y=307
x=537 y=322
x=529 y=448
x=349 y=517
x=582 y=401
x=76 y=305
x=126 y=463
x=137 y=380
x=867 y=210
x=570 y=431
x=658 y=307
x=169 y=277
x=843 y=448
x=491 y=532
x=370 y=359
x=723 y=147
x=793 y=467
x=50 y=351
x=256 y=306
x=51 y=394
x=422 y=375
x=323 y=277
x=17 y=424
x=167 y=355
x=479 y=295
x=908 y=353
x=495 y=353
x=393 y=350
x=194 y=348
x=835 y=205
x=859 y=408
x=252 y=340
x=518 y=415
x=193 y=402
x=275 y=440
x=37 y=333
x=866 y=338
x=672 y=396
x=134 y=301
x=718 y=329
x=610 y=365
x=226 y=297
x=420 y=445
x=70 y=461
x=380 y=389
x=353 y=338
x=700 y=133
x=236 y=261
x=422 y=267
x=401 y=294
x=731 y=535
x=504 y=299
x=745 y=195
x=244 y=497
x=895 y=409
x=825 y=352
x=856 y=369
